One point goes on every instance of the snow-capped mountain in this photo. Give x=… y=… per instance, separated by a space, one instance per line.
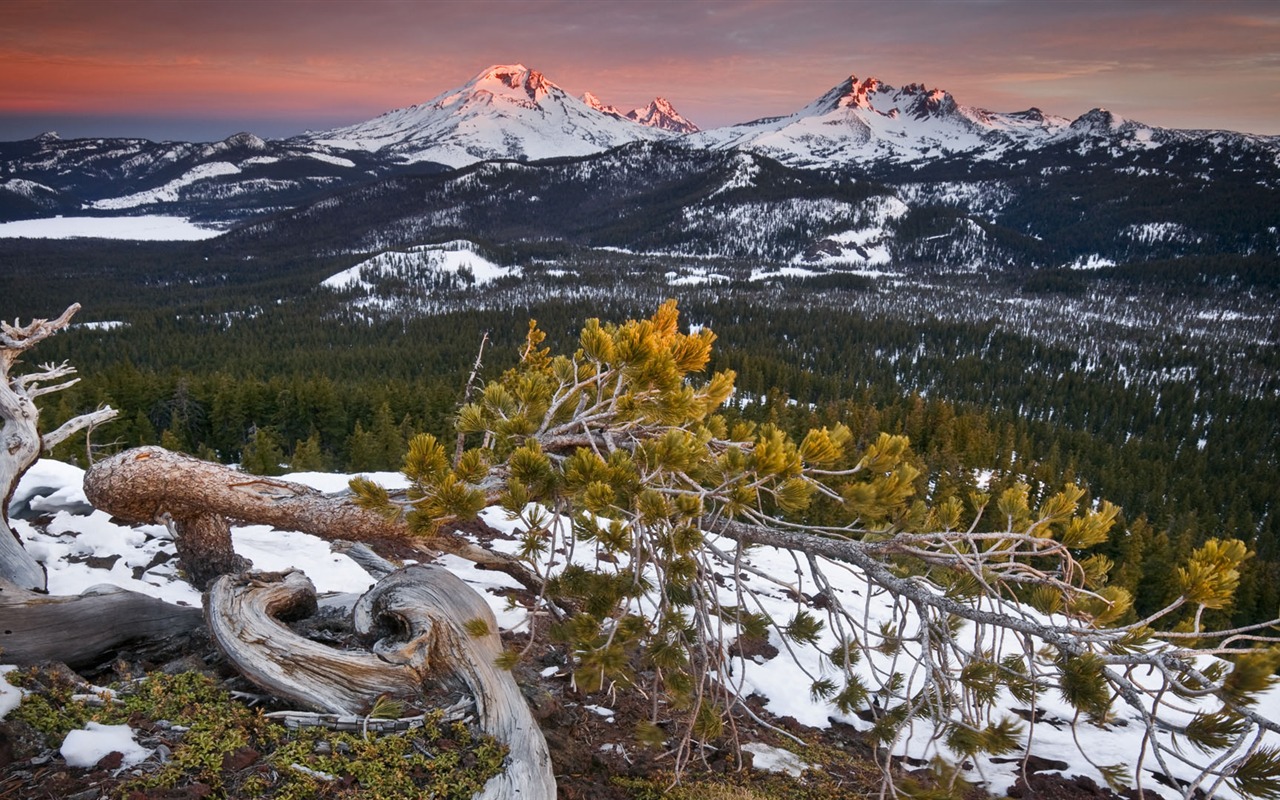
x=658 y=114
x=505 y=112
x=1027 y=186
x=661 y=114
x=867 y=120
x=601 y=106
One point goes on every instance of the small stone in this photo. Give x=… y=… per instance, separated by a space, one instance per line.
x=102 y=562
x=240 y=759
x=110 y=761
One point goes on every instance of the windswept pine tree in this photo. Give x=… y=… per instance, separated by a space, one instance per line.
x=620 y=447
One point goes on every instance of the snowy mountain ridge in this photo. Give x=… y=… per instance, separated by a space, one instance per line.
x=514 y=113
x=506 y=111
x=658 y=114
x=865 y=121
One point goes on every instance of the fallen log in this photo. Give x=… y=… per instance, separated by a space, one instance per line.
x=78 y=629
x=427 y=630
x=150 y=484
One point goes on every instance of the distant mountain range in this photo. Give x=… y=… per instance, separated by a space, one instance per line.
x=953 y=184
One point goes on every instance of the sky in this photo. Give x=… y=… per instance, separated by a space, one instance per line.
x=201 y=70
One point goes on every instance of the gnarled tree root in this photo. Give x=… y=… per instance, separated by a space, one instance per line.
x=425 y=628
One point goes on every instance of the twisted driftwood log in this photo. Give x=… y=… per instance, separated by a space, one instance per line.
x=425 y=627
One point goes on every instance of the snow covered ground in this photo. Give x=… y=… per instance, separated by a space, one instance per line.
x=82 y=547
x=148 y=228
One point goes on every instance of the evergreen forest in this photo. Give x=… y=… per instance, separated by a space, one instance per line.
x=1154 y=385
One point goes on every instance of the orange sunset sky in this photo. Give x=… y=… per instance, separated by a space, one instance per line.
x=201 y=70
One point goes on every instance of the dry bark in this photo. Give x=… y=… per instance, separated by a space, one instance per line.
x=426 y=628
x=77 y=630
x=147 y=484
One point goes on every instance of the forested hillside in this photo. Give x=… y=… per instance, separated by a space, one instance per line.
x=1156 y=385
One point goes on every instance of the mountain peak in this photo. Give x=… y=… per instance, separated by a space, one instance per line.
x=502 y=77
x=855 y=93
x=1097 y=119
x=507 y=111
x=246 y=140
x=599 y=105
x=662 y=115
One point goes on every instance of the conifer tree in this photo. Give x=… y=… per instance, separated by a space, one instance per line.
x=362 y=450
x=619 y=447
x=307 y=455
x=263 y=454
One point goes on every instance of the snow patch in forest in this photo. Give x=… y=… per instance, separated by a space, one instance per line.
x=86 y=747
x=866 y=244
x=170 y=192
x=694 y=277
x=419 y=263
x=1091 y=261
x=1156 y=232
x=10 y=695
x=768 y=758
x=337 y=161
x=26 y=188
x=104 y=325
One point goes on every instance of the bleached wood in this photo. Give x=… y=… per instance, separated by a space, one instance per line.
x=80 y=629
x=20 y=438
x=425 y=616
x=423 y=625
x=244 y=612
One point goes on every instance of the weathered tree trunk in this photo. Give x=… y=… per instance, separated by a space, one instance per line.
x=244 y=612
x=78 y=630
x=427 y=618
x=204 y=548
x=146 y=483
x=16 y=564
x=426 y=627
x=20 y=439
